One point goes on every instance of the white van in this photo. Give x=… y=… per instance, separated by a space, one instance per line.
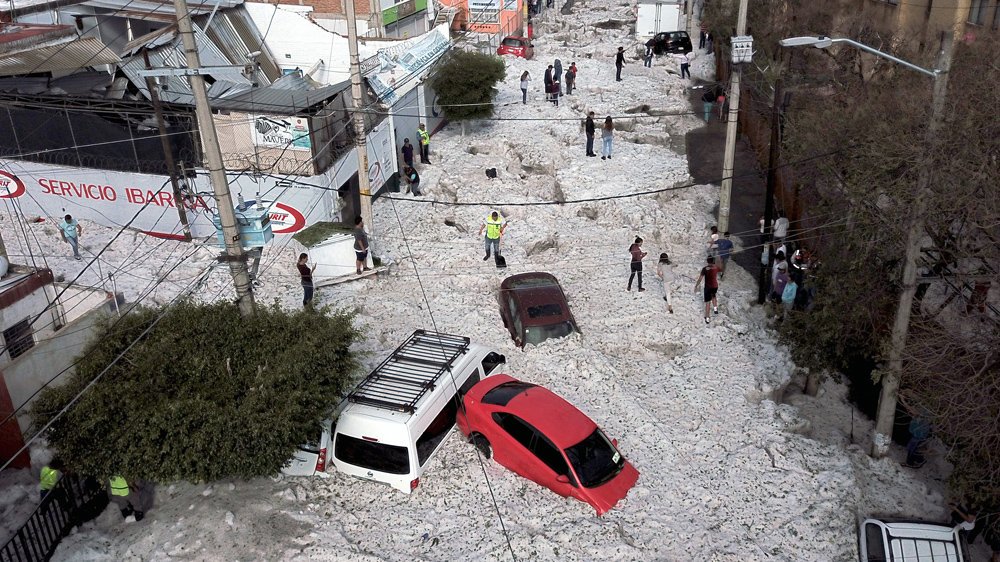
x=398 y=417
x=904 y=541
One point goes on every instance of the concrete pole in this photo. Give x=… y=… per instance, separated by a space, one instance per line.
x=888 y=396
x=359 y=118
x=690 y=20
x=210 y=143
x=725 y=194
x=376 y=17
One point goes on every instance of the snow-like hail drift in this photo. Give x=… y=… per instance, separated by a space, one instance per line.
x=735 y=463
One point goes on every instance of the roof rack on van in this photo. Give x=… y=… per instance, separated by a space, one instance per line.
x=410 y=372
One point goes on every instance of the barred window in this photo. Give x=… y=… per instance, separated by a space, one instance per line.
x=18 y=338
x=976 y=11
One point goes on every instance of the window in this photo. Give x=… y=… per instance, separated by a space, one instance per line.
x=469 y=383
x=547 y=309
x=513 y=425
x=18 y=338
x=502 y=394
x=875 y=545
x=976 y=11
x=477 y=16
x=548 y=454
x=537 y=334
x=373 y=456
x=595 y=460
x=436 y=431
x=492 y=361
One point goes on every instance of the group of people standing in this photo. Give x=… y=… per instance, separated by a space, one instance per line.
x=711 y=274
x=409 y=173
x=607 y=136
x=553 y=81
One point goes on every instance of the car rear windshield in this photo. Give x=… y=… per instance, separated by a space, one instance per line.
x=511 y=42
x=373 y=456
x=504 y=393
x=595 y=460
x=537 y=334
x=543 y=310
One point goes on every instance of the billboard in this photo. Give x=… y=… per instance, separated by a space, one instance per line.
x=277 y=131
x=145 y=202
x=396 y=70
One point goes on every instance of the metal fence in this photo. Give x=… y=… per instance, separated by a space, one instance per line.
x=74 y=500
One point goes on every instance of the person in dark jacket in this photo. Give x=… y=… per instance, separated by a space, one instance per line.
x=412 y=180
x=557 y=74
x=571 y=79
x=407 y=152
x=547 y=81
x=619 y=63
x=590 y=134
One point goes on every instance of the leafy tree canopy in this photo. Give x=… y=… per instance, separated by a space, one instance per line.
x=465 y=83
x=204 y=395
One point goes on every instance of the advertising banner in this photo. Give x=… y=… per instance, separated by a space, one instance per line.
x=281 y=132
x=145 y=202
x=396 y=70
x=381 y=155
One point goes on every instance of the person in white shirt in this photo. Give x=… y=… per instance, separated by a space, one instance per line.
x=780 y=227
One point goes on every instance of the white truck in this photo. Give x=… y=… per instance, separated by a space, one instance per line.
x=654 y=16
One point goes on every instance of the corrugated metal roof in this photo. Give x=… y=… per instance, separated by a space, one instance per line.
x=152 y=8
x=81 y=53
x=285 y=97
x=176 y=89
x=79 y=84
x=151 y=40
x=235 y=33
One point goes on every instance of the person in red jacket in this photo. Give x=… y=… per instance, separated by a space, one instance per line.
x=636 y=266
x=710 y=273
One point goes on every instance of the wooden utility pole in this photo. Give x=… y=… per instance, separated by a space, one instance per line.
x=364 y=188
x=914 y=235
x=168 y=154
x=772 y=179
x=234 y=254
x=725 y=194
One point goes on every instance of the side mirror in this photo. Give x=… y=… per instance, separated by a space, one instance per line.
x=562 y=478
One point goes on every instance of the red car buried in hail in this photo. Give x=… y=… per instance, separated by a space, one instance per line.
x=542 y=437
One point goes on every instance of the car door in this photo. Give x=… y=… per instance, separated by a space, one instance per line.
x=513 y=448
x=553 y=465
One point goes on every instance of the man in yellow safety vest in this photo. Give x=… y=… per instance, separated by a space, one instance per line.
x=494 y=225
x=425 y=144
x=49 y=477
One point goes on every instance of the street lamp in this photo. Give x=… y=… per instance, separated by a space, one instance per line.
x=822 y=42
x=914 y=233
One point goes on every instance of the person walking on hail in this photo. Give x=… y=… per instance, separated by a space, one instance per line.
x=425 y=144
x=494 y=225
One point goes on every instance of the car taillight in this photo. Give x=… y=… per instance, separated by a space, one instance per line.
x=321 y=460
x=414 y=483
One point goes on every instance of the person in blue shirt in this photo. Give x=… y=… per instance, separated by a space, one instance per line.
x=71 y=231
x=724 y=247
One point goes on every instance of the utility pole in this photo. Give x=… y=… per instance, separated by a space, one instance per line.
x=168 y=155
x=210 y=142
x=914 y=234
x=359 y=117
x=376 y=9
x=725 y=193
x=772 y=179
x=690 y=19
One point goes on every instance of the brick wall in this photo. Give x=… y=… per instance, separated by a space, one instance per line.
x=361 y=7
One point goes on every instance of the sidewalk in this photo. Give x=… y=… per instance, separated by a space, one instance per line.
x=705 y=147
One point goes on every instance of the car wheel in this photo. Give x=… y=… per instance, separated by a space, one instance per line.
x=483 y=445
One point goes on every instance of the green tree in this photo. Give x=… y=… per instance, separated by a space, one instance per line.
x=206 y=394
x=465 y=83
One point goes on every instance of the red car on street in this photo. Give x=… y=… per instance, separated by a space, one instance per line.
x=542 y=437
x=517 y=46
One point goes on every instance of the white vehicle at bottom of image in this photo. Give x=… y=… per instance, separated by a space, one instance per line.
x=910 y=541
x=394 y=421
